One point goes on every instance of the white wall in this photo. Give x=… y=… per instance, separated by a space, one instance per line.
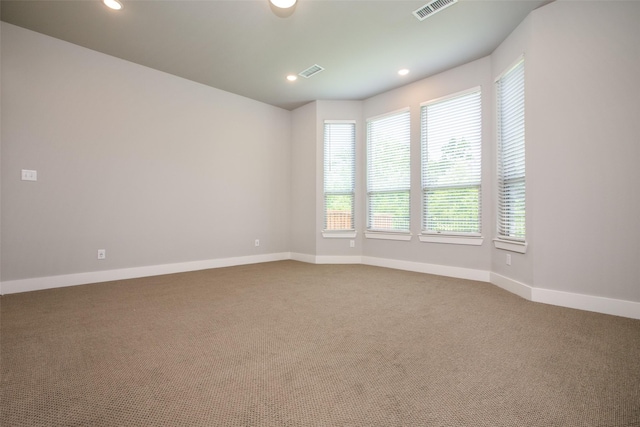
x=153 y=168
x=584 y=140
x=303 y=180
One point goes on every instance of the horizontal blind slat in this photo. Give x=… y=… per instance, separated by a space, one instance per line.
x=339 y=175
x=451 y=142
x=388 y=172
x=511 y=154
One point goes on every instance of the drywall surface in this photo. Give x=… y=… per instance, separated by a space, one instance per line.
x=303 y=180
x=583 y=130
x=153 y=168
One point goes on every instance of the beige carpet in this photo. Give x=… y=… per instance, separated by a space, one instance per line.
x=293 y=344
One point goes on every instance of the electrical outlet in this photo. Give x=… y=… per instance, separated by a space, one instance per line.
x=257 y=242
x=29 y=175
x=102 y=253
x=508 y=259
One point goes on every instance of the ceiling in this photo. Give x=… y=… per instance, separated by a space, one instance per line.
x=244 y=47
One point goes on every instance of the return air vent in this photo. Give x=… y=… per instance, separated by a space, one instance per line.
x=433 y=7
x=312 y=71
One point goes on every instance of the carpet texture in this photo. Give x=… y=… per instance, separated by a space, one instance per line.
x=293 y=344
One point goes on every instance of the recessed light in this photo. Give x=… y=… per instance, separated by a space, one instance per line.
x=283 y=4
x=403 y=72
x=113 y=4
x=292 y=77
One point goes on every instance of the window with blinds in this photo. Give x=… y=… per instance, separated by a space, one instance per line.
x=388 y=172
x=511 y=154
x=451 y=140
x=339 y=174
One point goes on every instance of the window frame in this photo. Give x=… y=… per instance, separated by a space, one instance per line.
x=447 y=236
x=383 y=233
x=503 y=241
x=339 y=233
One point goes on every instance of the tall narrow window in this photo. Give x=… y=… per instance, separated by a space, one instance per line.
x=388 y=172
x=451 y=164
x=511 y=154
x=339 y=174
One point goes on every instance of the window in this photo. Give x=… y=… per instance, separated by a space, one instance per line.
x=511 y=155
x=339 y=174
x=388 y=173
x=451 y=164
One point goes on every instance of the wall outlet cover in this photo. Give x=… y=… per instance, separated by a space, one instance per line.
x=29 y=175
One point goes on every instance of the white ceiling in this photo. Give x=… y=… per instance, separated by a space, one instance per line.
x=242 y=46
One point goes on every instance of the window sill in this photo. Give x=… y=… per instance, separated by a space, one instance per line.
x=339 y=234
x=513 y=246
x=452 y=239
x=385 y=235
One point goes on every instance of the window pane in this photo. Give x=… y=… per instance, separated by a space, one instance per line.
x=511 y=154
x=388 y=172
x=389 y=153
x=451 y=138
x=339 y=175
x=452 y=209
x=338 y=211
x=512 y=212
x=389 y=211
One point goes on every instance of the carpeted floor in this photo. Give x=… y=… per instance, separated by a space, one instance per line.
x=293 y=344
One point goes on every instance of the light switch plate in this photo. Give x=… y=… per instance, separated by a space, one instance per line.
x=29 y=175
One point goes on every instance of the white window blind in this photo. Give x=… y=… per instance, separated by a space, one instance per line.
x=388 y=172
x=339 y=174
x=511 y=154
x=451 y=164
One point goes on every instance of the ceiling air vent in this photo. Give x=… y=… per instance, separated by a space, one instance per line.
x=433 y=7
x=312 y=71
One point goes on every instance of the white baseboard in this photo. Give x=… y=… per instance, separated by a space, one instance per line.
x=597 y=304
x=419 y=267
x=309 y=259
x=511 y=285
x=324 y=259
x=39 y=283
